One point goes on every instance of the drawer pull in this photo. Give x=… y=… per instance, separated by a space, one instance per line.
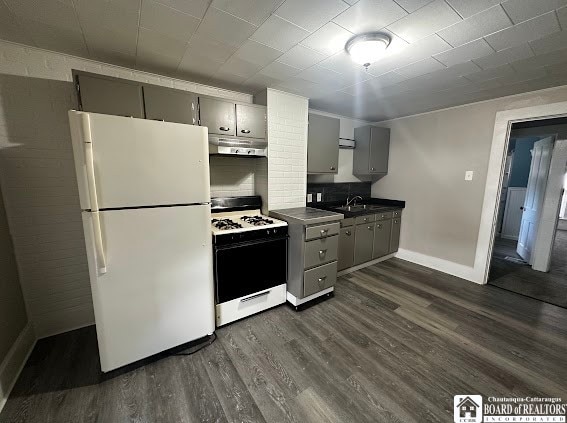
x=322 y=252
x=348 y=233
x=372 y=168
x=366 y=219
x=322 y=279
x=370 y=228
x=261 y=294
x=396 y=221
x=324 y=231
x=245 y=131
x=224 y=128
x=379 y=226
x=383 y=216
x=332 y=168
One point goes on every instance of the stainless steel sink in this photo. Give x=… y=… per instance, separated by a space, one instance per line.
x=356 y=208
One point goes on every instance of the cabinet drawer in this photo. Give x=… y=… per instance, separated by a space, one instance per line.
x=320 y=231
x=384 y=215
x=397 y=213
x=319 y=278
x=365 y=219
x=349 y=221
x=321 y=251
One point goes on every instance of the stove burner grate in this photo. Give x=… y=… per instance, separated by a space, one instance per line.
x=225 y=224
x=256 y=220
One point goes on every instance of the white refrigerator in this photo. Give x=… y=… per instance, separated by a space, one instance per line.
x=145 y=200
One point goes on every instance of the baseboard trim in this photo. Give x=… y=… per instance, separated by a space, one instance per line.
x=15 y=361
x=445 y=266
x=363 y=265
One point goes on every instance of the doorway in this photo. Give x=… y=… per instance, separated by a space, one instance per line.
x=529 y=254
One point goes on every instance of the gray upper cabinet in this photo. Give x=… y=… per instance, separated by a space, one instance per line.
x=110 y=96
x=323 y=144
x=217 y=115
x=372 y=150
x=170 y=105
x=250 y=121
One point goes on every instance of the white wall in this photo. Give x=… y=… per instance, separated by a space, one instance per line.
x=38 y=178
x=344 y=170
x=429 y=155
x=287 y=150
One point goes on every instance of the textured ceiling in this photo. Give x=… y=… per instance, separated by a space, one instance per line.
x=444 y=52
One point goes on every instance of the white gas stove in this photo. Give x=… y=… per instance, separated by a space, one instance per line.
x=242 y=221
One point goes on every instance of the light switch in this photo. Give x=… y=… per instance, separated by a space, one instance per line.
x=469 y=175
x=309 y=198
x=319 y=196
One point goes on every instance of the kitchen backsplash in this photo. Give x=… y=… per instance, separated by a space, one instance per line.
x=339 y=191
x=233 y=176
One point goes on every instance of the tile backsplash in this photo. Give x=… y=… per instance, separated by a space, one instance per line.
x=338 y=191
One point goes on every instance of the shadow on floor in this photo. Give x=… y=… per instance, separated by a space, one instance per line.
x=506 y=273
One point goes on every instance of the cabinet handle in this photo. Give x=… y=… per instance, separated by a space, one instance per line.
x=332 y=167
x=379 y=226
x=372 y=168
x=322 y=279
x=348 y=233
x=396 y=221
x=370 y=228
x=366 y=219
x=322 y=252
x=261 y=294
x=245 y=131
x=324 y=231
x=224 y=128
x=159 y=120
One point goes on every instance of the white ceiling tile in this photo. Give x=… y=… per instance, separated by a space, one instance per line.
x=253 y=11
x=301 y=57
x=117 y=15
x=553 y=42
x=240 y=67
x=526 y=31
x=509 y=55
x=303 y=87
x=10 y=29
x=111 y=39
x=375 y=84
x=477 y=26
x=225 y=28
x=471 y=7
x=320 y=75
x=464 y=53
x=57 y=39
x=312 y=14
x=499 y=72
x=113 y=57
x=259 y=81
x=224 y=76
x=547 y=59
x=204 y=46
x=412 y=5
x=279 y=34
x=462 y=69
x=329 y=39
x=425 y=21
x=50 y=13
x=341 y=63
x=370 y=15
x=152 y=42
x=195 y=8
x=196 y=64
x=521 y=10
x=168 y=21
x=279 y=70
x=422 y=67
x=257 y=53
x=155 y=62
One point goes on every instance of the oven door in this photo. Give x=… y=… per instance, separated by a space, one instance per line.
x=245 y=268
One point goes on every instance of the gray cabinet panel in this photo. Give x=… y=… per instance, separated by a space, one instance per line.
x=170 y=105
x=217 y=115
x=346 y=248
x=321 y=251
x=395 y=237
x=319 y=278
x=110 y=96
x=323 y=144
x=364 y=238
x=319 y=231
x=382 y=237
x=250 y=121
x=365 y=219
x=372 y=150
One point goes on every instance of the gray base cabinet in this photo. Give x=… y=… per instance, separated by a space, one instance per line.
x=366 y=238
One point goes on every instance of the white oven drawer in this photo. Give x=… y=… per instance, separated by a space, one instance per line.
x=250 y=304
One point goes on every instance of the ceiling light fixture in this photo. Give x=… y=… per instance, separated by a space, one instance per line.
x=366 y=49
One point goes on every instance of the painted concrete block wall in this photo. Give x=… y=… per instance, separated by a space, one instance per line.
x=287 y=149
x=38 y=179
x=429 y=155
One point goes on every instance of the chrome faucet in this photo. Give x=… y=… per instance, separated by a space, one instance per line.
x=353 y=199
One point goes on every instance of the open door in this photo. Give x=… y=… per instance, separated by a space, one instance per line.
x=531 y=211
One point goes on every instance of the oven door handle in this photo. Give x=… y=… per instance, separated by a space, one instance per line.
x=261 y=294
x=252 y=242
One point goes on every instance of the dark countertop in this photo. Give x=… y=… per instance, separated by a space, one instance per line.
x=378 y=205
x=307 y=215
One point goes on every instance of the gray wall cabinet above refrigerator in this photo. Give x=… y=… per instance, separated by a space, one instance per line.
x=170 y=105
x=371 y=152
x=323 y=144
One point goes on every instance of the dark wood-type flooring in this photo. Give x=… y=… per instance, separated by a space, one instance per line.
x=550 y=287
x=395 y=344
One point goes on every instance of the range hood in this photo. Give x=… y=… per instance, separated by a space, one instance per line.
x=237 y=146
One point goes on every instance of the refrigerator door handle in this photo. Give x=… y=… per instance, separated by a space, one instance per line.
x=91 y=185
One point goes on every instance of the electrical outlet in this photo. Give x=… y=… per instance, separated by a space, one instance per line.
x=469 y=175
x=319 y=196
x=309 y=198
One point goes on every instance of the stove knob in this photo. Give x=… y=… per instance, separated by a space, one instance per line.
x=267 y=232
x=249 y=151
x=236 y=151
